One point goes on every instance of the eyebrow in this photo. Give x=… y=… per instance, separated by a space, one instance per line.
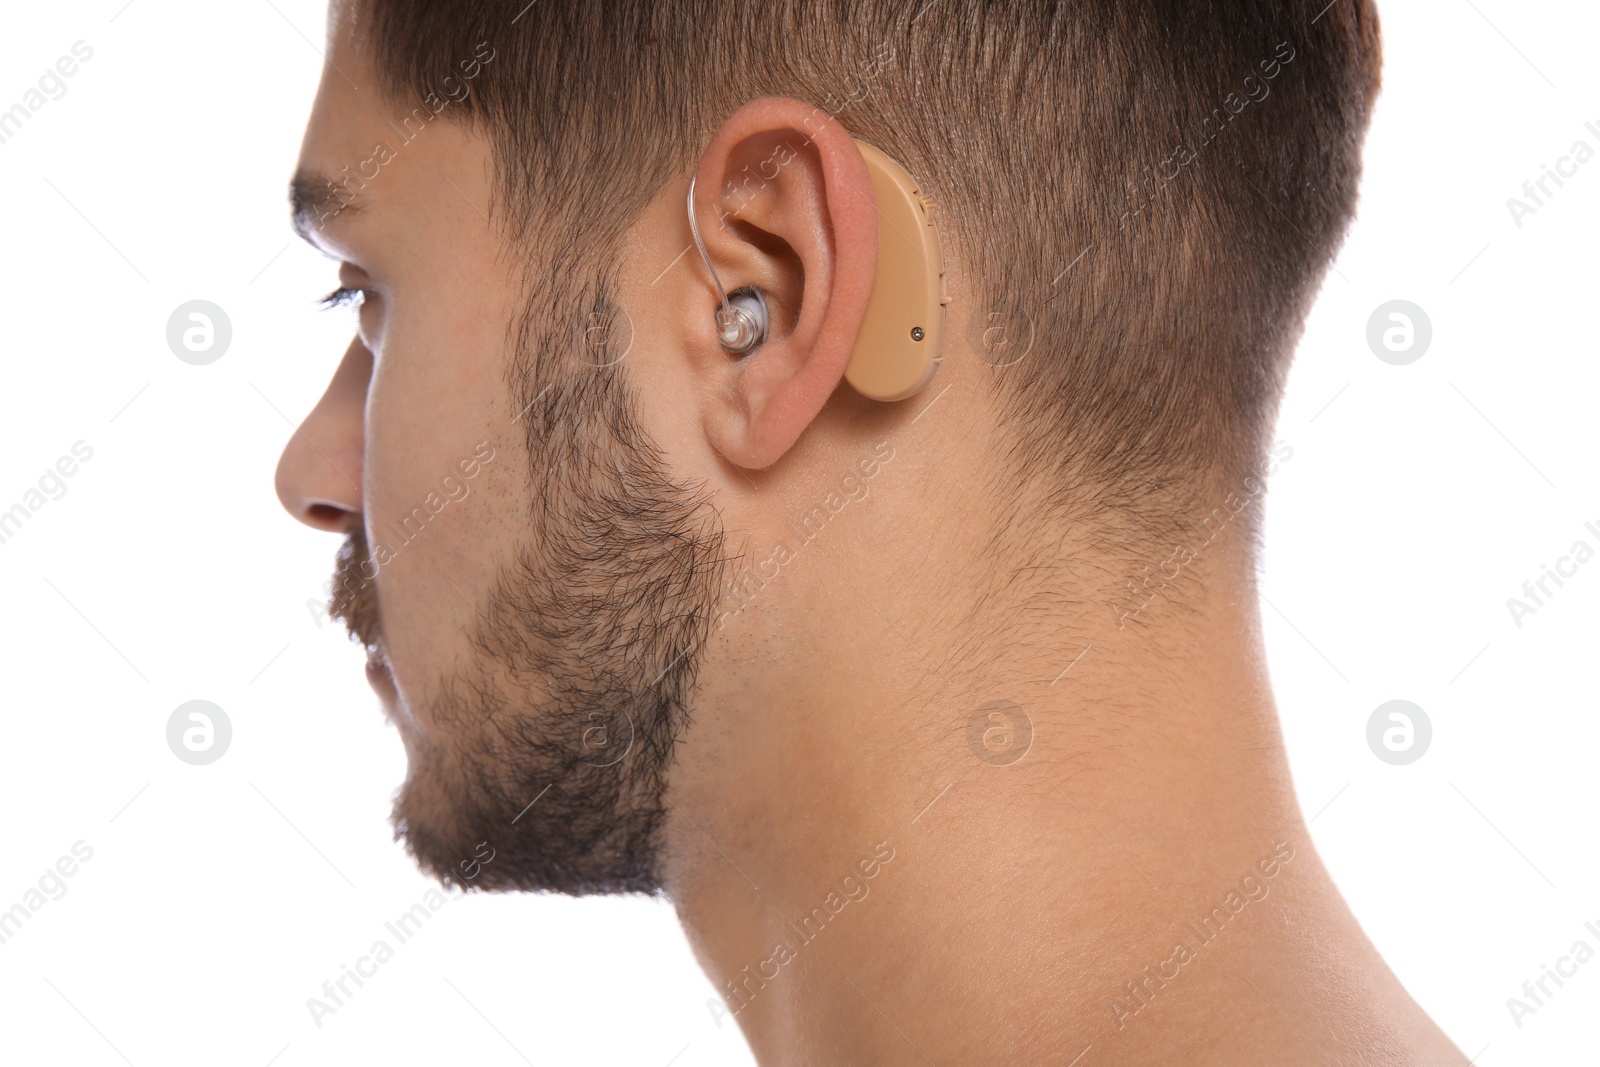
x=315 y=200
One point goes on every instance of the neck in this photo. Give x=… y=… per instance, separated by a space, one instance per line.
x=1105 y=860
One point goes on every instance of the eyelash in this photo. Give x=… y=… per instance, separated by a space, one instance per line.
x=342 y=296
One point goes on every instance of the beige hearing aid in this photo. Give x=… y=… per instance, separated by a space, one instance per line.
x=902 y=337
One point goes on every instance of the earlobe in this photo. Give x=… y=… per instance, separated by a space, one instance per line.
x=798 y=221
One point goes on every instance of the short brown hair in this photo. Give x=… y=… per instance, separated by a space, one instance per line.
x=1151 y=188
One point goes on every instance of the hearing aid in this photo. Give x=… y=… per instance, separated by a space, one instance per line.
x=742 y=328
x=902 y=334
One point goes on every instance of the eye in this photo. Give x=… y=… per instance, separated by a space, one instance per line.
x=342 y=296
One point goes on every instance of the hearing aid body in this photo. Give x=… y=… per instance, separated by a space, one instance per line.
x=902 y=334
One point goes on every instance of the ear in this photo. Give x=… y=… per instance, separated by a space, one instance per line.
x=784 y=202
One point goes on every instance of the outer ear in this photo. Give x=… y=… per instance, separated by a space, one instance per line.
x=798 y=219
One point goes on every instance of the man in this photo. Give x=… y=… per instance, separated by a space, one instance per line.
x=943 y=722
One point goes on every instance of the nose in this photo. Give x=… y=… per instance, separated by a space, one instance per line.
x=319 y=473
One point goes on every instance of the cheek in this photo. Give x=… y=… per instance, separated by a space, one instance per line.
x=433 y=404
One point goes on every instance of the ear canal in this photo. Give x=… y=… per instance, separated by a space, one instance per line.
x=742 y=325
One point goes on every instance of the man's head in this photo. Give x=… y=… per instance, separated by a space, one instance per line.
x=653 y=562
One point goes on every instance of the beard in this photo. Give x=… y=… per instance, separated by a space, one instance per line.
x=541 y=764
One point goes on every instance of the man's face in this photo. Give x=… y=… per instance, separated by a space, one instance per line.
x=532 y=586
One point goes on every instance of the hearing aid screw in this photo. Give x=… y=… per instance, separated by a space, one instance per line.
x=916 y=333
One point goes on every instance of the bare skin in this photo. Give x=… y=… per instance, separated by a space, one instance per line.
x=1031 y=878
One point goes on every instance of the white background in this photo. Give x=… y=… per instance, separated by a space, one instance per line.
x=218 y=899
